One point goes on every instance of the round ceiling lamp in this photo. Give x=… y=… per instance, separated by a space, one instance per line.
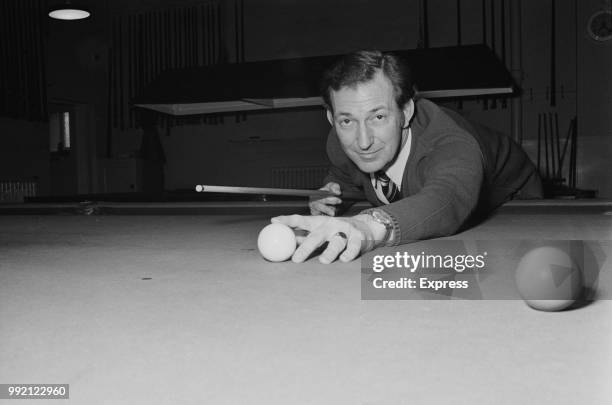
x=68 y=11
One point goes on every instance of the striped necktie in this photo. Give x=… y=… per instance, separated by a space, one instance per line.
x=388 y=187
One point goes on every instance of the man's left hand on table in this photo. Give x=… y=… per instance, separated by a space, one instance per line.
x=346 y=237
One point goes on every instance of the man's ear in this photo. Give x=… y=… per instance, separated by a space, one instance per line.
x=408 y=113
x=330 y=117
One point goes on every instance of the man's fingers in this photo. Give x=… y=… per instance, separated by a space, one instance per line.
x=294 y=221
x=334 y=248
x=330 y=201
x=317 y=208
x=353 y=248
x=346 y=238
x=308 y=245
x=334 y=188
x=326 y=205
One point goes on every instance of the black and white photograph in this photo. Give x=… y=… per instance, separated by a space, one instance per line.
x=306 y=202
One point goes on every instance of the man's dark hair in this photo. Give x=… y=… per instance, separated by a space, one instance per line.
x=360 y=67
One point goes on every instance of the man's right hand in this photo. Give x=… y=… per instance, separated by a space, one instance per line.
x=327 y=205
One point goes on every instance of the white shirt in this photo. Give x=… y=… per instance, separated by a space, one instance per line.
x=395 y=171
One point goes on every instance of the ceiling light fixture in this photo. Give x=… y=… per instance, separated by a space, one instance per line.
x=68 y=11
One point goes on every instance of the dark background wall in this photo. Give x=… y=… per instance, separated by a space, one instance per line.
x=245 y=151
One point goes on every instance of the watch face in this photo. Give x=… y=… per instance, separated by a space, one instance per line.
x=600 y=25
x=381 y=219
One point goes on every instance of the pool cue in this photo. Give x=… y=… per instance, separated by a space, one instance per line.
x=350 y=195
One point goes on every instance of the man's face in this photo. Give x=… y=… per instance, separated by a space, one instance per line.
x=369 y=123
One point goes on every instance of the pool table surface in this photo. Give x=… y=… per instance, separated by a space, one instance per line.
x=179 y=307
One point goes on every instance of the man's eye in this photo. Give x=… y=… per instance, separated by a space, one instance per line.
x=380 y=117
x=345 y=122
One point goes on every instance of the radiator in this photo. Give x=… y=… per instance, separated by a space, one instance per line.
x=310 y=177
x=17 y=190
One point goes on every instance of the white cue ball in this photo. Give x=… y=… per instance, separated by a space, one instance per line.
x=276 y=242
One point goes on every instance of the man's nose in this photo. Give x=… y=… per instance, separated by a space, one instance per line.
x=365 y=138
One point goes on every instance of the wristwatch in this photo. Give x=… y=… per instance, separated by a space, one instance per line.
x=385 y=221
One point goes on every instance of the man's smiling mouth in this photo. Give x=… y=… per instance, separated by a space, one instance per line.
x=368 y=155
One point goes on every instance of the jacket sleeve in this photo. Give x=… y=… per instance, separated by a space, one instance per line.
x=450 y=177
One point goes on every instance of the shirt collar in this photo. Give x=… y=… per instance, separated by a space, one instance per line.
x=396 y=170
